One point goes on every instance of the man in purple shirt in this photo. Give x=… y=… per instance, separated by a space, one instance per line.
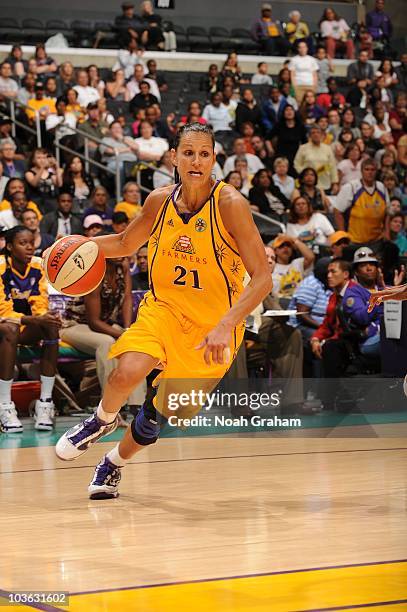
x=378 y=23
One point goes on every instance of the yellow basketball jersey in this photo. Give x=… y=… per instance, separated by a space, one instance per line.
x=194 y=264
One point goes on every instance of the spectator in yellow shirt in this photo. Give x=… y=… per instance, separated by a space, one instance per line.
x=297 y=30
x=315 y=154
x=131 y=204
x=44 y=106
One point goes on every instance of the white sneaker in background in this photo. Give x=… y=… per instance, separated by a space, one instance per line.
x=9 y=421
x=44 y=415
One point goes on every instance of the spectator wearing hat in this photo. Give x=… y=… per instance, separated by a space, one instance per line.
x=40 y=104
x=315 y=154
x=61 y=222
x=129 y=26
x=289 y=270
x=356 y=299
x=361 y=207
x=338 y=241
x=269 y=33
x=92 y=226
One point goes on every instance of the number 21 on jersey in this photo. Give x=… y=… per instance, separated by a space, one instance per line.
x=183 y=275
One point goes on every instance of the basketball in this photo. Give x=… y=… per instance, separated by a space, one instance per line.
x=74 y=265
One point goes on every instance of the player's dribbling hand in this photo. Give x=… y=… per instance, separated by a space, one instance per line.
x=216 y=345
x=390 y=293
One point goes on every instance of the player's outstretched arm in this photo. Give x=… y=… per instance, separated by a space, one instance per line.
x=138 y=231
x=390 y=293
x=238 y=220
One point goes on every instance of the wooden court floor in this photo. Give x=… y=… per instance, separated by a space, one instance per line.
x=214 y=524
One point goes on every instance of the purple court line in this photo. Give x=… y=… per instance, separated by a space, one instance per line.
x=350 y=607
x=37 y=606
x=81 y=467
x=224 y=578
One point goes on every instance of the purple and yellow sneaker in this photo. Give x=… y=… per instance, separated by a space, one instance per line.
x=79 y=438
x=105 y=481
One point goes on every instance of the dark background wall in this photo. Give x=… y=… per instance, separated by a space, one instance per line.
x=227 y=13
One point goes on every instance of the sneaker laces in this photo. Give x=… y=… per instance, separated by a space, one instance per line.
x=10 y=412
x=108 y=473
x=44 y=410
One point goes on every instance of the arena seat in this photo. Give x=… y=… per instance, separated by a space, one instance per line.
x=220 y=39
x=198 y=39
x=83 y=32
x=10 y=30
x=182 y=38
x=34 y=30
x=243 y=42
x=108 y=37
x=57 y=26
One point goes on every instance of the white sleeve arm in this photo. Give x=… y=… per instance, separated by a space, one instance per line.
x=344 y=198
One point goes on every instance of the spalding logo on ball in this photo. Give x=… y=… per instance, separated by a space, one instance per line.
x=74 y=265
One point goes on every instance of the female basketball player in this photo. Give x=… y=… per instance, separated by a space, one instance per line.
x=24 y=319
x=202 y=238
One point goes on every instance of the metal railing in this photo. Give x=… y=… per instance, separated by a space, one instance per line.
x=85 y=156
x=24 y=126
x=90 y=161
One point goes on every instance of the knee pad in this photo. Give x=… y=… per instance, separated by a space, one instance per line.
x=146 y=426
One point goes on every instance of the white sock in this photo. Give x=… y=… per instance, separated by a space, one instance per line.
x=47 y=385
x=115 y=457
x=5 y=391
x=106 y=417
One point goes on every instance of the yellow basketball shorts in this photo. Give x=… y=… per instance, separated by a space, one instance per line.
x=172 y=340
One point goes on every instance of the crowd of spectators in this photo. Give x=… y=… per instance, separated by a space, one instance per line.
x=325 y=163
